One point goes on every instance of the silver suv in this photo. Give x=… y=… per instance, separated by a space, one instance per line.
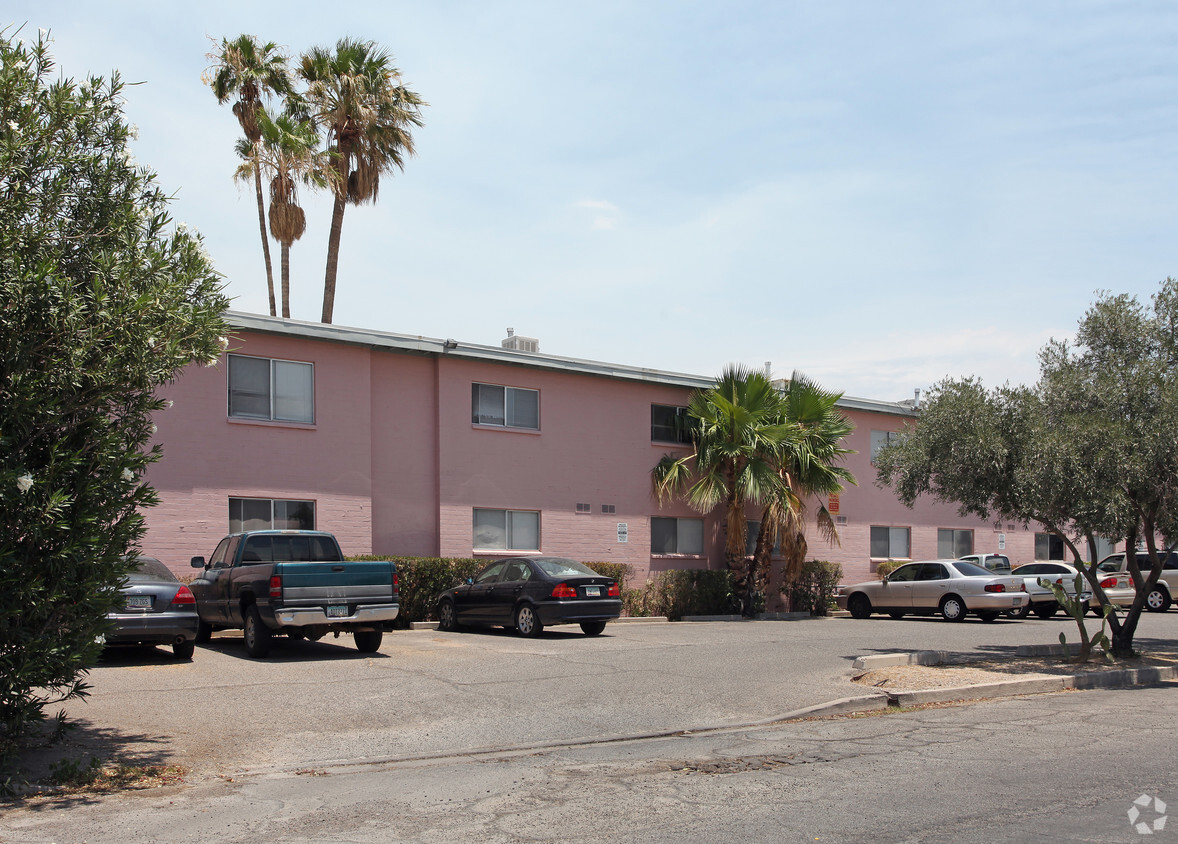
x=1160 y=597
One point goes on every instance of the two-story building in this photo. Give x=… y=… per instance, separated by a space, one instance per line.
x=416 y=446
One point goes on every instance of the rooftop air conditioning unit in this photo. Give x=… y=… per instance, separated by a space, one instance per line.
x=520 y=344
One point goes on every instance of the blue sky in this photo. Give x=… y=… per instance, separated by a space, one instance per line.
x=877 y=194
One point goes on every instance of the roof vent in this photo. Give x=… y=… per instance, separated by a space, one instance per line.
x=520 y=344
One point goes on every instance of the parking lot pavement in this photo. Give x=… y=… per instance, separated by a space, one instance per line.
x=428 y=693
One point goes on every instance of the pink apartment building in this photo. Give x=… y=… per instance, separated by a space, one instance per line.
x=406 y=445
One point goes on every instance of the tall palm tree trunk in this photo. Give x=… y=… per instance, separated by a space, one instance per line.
x=285 y=280
x=333 y=239
x=265 y=237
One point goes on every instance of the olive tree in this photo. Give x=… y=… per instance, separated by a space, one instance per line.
x=1090 y=450
x=102 y=300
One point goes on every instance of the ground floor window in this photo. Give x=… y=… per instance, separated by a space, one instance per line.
x=890 y=543
x=676 y=536
x=506 y=530
x=752 y=529
x=270 y=514
x=1048 y=546
x=953 y=544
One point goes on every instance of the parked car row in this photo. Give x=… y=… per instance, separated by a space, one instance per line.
x=298 y=584
x=986 y=585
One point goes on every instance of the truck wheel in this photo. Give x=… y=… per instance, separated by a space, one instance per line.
x=257 y=634
x=204 y=632
x=526 y=621
x=368 y=641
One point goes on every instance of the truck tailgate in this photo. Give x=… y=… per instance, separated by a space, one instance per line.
x=352 y=582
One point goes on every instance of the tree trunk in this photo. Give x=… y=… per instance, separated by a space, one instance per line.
x=265 y=236
x=286 y=281
x=337 y=225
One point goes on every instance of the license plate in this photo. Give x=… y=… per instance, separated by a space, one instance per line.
x=592 y=591
x=337 y=612
x=138 y=602
x=1018 y=601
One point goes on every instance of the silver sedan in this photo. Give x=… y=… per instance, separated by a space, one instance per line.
x=951 y=587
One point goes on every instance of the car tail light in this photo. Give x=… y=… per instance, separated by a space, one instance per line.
x=1108 y=583
x=184 y=596
x=615 y=591
x=996 y=587
x=563 y=590
x=276 y=586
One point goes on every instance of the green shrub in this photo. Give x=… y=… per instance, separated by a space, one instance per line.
x=422 y=578
x=681 y=592
x=888 y=567
x=621 y=572
x=816 y=587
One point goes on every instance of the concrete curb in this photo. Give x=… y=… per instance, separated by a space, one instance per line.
x=433 y=625
x=914 y=658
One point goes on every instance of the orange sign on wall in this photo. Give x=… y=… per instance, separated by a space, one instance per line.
x=832 y=505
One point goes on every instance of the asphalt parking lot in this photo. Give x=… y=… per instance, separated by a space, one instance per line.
x=429 y=694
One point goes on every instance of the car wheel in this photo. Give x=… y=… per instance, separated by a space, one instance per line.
x=990 y=615
x=1020 y=612
x=953 y=608
x=859 y=605
x=257 y=634
x=526 y=622
x=185 y=649
x=204 y=632
x=592 y=628
x=446 y=617
x=1158 y=600
x=1046 y=611
x=368 y=641
x=896 y=615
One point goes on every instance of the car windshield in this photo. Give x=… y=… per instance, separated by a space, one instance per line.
x=558 y=567
x=150 y=568
x=971 y=570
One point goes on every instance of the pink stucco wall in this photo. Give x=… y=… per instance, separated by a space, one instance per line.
x=395 y=465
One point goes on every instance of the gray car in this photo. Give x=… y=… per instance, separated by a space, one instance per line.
x=156 y=609
x=1041 y=598
x=950 y=587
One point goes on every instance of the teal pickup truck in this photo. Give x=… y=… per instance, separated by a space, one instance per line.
x=294 y=582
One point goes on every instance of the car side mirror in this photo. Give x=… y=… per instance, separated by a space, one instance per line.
x=470 y=581
x=198 y=562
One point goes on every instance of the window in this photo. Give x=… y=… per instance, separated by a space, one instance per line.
x=670 y=424
x=274 y=390
x=609 y=509
x=676 y=536
x=505 y=407
x=584 y=508
x=506 y=530
x=953 y=544
x=753 y=528
x=882 y=439
x=270 y=514
x=891 y=543
x=1101 y=548
x=1048 y=546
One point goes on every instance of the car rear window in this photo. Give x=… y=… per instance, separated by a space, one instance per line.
x=557 y=567
x=150 y=568
x=970 y=570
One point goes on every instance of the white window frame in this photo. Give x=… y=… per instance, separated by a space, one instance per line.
x=509 y=517
x=277 y=367
x=681 y=434
x=881 y=439
x=510 y=395
x=278 y=509
x=684 y=529
x=955 y=532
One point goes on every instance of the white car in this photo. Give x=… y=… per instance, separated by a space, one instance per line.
x=1117 y=582
x=951 y=587
x=1042 y=600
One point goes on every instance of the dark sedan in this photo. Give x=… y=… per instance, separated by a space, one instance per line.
x=528 y=593
x=156 y=609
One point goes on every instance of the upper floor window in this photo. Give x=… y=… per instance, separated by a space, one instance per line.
x=509 y=407
x=954 y=544
x=270 y=514
x=676 y=536
x=669 y=424
x=275 y=390
x=881 y=440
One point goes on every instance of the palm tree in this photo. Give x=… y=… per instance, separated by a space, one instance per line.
x=251 y=71
x=807 y=469
x=288 y=151
x=356 y=96
x=741 y=428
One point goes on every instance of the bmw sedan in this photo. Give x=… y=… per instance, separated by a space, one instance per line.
x=529 y=593
x=951 y=587
x=156 y=609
